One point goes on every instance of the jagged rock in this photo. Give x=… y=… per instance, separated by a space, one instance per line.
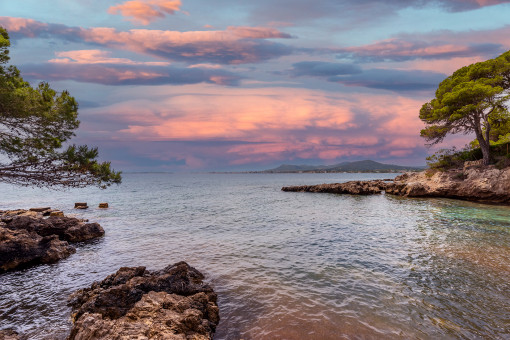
x=26 y=238
x=22 y=248
x=134 y=303
x=9 y=334
x=483 y=184
x=66 y=228
x=57 y=213
x=103 y=205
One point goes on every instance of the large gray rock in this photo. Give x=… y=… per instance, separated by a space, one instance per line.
x=134 y=303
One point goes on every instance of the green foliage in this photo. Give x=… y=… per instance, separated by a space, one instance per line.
x=473 y=99
x=445 y=159
x=35 y=123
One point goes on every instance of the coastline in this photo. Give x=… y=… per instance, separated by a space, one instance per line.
x=478 y=184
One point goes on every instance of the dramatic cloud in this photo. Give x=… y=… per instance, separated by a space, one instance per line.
x=345 y=85
x=119 y=74
x=144 y=12
x=235 y=45
x=246 y=126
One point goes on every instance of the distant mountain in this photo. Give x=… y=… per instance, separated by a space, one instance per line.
x=358 y=166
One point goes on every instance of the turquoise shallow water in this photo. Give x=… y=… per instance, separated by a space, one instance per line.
x=285 y=265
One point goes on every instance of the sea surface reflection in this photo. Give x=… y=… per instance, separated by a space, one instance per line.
x=285 y=265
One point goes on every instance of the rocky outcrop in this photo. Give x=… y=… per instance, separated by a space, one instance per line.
x=482 y=184
x=352 y=187
x=66 y=228
x=21 y=248
x=474 y=183
x=28 y=238
x=135 y=303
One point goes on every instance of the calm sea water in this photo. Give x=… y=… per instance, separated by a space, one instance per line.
x=285 y=265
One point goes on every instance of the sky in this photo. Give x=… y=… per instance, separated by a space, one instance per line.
x=236 y=85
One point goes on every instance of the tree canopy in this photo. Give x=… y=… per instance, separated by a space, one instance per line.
x=474 y=99
x=35 y=124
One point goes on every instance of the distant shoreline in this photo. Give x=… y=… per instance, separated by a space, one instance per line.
x=316 y=172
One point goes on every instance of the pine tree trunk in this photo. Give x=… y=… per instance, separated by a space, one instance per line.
x=485 y=147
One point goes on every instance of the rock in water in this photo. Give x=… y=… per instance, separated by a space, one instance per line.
x=66 y=228
x=352 y=187
x=134 y=303
x=27 y=239
x=21 y=248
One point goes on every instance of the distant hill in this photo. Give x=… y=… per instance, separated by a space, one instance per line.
x=358 y=166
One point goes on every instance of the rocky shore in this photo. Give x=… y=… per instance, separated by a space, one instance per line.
x=481 y=184
x=135 y=303
x=31 y=237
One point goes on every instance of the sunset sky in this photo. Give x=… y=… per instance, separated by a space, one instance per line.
x=196 y=85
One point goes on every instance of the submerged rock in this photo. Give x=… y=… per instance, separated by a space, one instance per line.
x=26 y=238
x=134 y=303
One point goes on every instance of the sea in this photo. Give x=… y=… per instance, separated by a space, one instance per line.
x=285 y=265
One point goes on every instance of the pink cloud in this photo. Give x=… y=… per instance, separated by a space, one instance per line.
x=266 y=125
x=97 y=57
x=145 y=12
x=433 y=46
x=27 y=27
x=445 y=66
x=234 y=45
x=395 y=48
